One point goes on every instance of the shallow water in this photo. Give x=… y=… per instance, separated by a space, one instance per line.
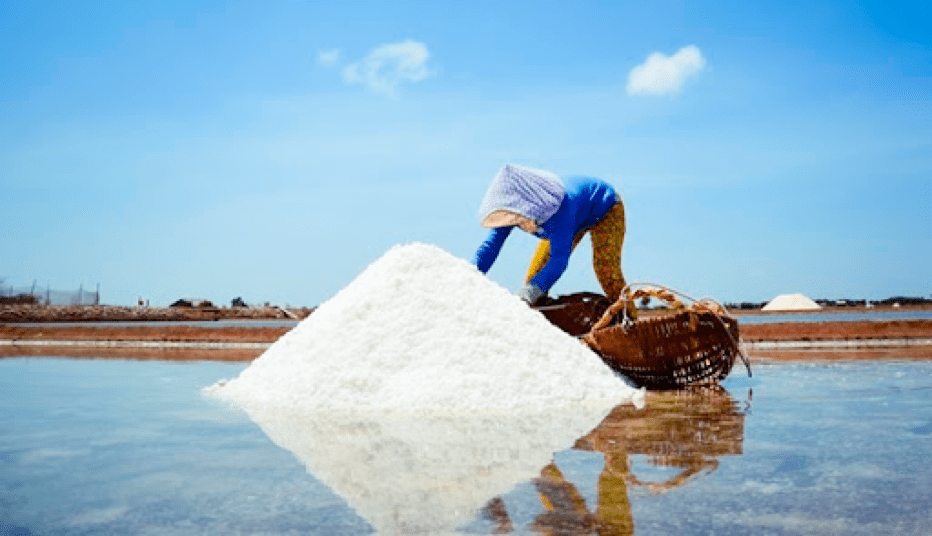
x=771 y=318
x=768 y=318
x=244 y=323
x=120 y=447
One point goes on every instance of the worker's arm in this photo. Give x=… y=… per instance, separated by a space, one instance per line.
x=560 y=231
x=488 y=250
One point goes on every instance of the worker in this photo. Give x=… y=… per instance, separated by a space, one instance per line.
x=559 y=212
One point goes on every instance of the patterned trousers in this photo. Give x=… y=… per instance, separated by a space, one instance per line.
x=607 y=238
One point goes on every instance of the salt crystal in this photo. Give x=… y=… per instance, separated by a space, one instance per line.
x=422 y=329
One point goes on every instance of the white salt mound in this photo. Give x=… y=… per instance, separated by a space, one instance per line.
x=423 y=389
x=422 y=329
x=791 y=302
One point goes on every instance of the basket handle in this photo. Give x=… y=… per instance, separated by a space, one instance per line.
x=686 y=474
x=628 y=296
x=610 y=313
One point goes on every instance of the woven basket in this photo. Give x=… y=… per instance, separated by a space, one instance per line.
x=574 y=313
x=672 y=351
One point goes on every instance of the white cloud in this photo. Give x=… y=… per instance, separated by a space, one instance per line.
x=388 y=65
x=328 y=58
x=660 y=74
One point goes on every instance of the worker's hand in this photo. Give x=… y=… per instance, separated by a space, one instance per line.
x=530 y=293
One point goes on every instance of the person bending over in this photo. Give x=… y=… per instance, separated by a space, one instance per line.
x=559 y=212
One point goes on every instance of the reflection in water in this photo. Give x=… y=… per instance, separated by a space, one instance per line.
x=426 y=472
x=431 y=472
x=687 y=430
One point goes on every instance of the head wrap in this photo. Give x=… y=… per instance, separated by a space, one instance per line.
x=532 y=193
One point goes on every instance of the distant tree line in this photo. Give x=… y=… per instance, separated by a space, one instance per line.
x=843 y=302
x=903 y=300
x=745 y=305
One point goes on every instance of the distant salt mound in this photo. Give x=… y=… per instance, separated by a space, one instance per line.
x=420 y=329
x=791 y=302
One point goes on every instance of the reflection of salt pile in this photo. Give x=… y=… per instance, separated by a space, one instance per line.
x=423 y=390
x=427 y=473
x=422 y=329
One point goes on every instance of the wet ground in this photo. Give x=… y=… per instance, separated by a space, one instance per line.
x=123 y=447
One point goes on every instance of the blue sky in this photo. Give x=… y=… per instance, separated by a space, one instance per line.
x=272 y=150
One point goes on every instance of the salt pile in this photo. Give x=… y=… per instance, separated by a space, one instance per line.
x=421 y=329
x=791 y=302
x=422 y=390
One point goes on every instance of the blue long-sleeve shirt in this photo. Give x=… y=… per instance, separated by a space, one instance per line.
x=587 y=201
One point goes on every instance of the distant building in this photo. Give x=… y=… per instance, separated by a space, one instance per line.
x=194 y=303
